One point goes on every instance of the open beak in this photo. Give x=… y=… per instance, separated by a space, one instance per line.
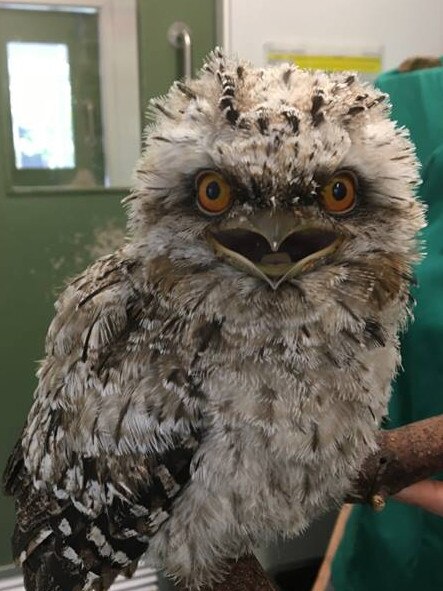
x=273 y=245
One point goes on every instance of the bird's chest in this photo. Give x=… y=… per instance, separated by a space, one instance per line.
x=287 y=408
x=267 y=407
x=285 y=423
x=279 y=381
x=276 y=448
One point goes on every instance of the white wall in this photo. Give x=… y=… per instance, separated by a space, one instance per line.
x=403 y=27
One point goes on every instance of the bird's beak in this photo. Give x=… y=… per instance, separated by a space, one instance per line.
x=273 y=245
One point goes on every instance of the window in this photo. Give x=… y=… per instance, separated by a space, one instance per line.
x=41 y=105
x=69 y=110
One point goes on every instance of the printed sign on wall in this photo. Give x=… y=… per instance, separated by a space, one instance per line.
x=368 y=62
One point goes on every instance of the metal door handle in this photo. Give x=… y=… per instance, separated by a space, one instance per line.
x=179 y=36
x=91 y=138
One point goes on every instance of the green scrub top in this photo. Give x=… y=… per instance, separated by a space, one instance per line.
x=401 y=548
x=417 y=103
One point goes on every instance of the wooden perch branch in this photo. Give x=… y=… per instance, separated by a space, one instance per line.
x=405 y=456
x=246 y=574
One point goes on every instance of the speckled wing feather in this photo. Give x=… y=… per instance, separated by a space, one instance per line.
x=97 y=516
x=62 y=548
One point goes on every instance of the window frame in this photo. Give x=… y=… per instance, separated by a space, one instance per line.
x=119 y=86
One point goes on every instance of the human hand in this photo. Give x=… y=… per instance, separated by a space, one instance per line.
x=427 y=494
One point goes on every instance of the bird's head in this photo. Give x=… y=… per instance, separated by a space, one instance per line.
x=277 y=180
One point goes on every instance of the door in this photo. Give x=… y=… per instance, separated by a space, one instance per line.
x=50 y=233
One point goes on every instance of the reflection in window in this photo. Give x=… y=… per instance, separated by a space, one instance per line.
x=41 y=105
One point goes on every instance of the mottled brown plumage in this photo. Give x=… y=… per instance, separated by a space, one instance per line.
x=222 y=376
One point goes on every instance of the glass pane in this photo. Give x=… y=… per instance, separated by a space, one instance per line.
x=41 y=105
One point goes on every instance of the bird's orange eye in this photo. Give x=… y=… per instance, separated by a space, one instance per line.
x=214 y=194
x=339 y=195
